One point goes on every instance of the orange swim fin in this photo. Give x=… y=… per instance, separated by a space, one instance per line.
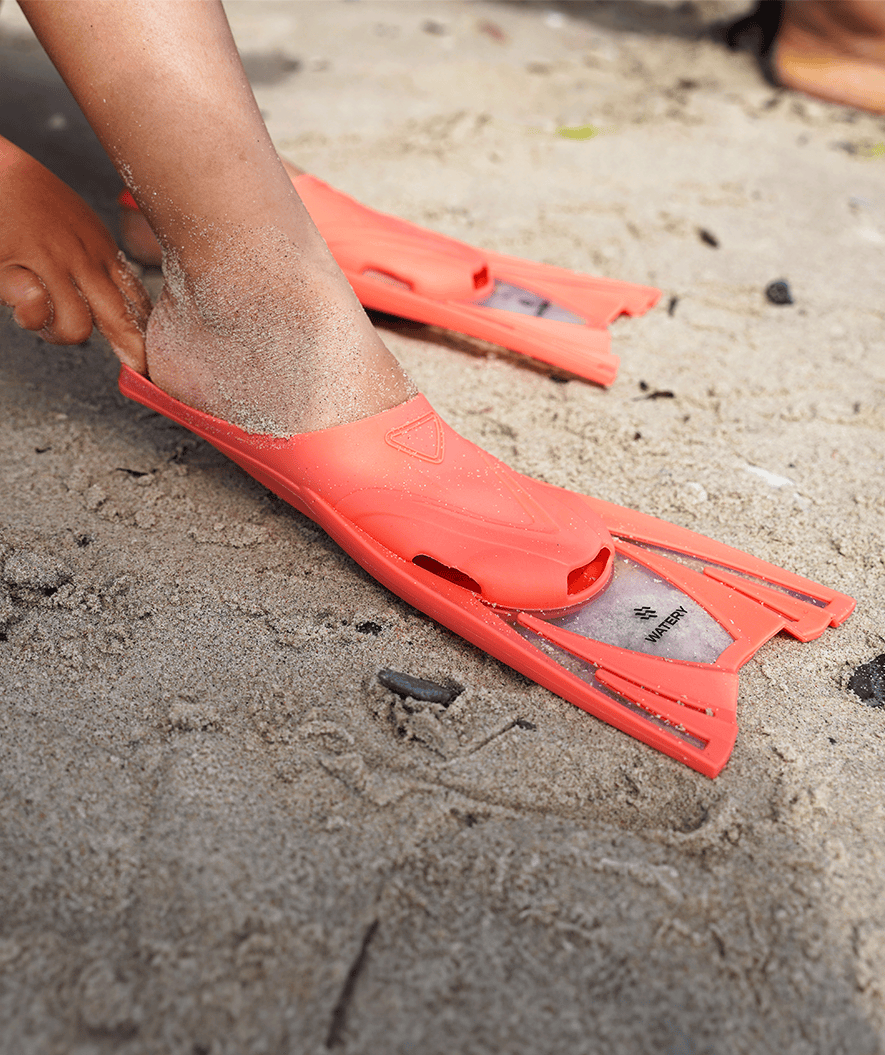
x=555 y=316
x=643 y=624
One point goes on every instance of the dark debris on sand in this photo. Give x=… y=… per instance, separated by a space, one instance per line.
x=868 y=682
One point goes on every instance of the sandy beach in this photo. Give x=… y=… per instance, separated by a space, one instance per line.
x=219 y=834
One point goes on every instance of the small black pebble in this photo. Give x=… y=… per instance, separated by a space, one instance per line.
x=407 y=686
x=643 y=386
x=832 y=739
x=671 y=307
x=707 y=238
x=868 y=682
x=524 y=723
x=369 y=628
x=778 y=292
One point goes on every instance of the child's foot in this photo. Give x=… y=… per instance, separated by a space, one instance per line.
x=269 y=337
x=834 y=50
x=272 y=340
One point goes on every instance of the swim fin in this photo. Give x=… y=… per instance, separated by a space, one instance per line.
x=641 y=623
x=556 y=316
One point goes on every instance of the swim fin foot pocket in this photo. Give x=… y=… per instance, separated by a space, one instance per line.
x=639 y=622
x=547 y=313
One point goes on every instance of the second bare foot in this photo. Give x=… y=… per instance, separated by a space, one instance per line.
x=834 y=50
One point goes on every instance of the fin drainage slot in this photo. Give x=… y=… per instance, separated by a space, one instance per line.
x=445 y=572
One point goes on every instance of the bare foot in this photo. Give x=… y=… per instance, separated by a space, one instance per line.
x=271 y=339
x=834 y=50
x=60 y=270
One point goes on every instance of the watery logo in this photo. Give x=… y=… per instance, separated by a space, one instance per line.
x=665 y=624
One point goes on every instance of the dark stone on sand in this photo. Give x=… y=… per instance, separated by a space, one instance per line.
x=708 y=238
x=868 y=682
x=410 y=687
x=778 y=292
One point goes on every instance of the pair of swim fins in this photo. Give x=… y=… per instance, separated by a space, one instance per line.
x=639 y=622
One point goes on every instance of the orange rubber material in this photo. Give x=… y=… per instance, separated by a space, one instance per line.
x=489 y=554
x=402 y=269
x=425 y=494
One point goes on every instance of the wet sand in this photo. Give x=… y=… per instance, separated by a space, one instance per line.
x=219 y=833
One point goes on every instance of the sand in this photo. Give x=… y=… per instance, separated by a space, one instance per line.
x=219 y=834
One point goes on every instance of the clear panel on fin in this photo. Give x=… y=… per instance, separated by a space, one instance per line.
x=642 y=612
x=524 y=302
x=587 y=672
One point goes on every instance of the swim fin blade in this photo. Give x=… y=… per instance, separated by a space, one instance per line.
x=549 y=314
x=656 y=653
